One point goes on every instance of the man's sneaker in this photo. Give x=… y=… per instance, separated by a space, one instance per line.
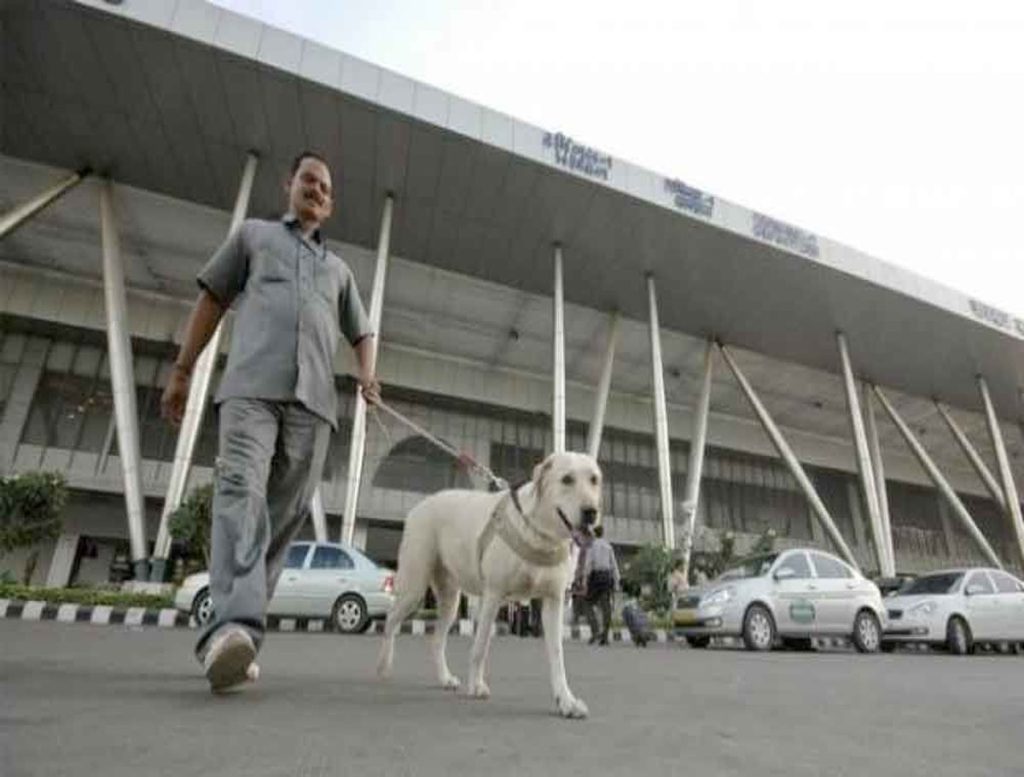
x=228 y=660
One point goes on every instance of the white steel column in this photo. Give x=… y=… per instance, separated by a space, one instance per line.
x=195 y=406
x=558 y=368
x=878 y=470
x=791 y=461
x=973 y=456
x=668 y=527
x=1012 y=502
x=695 y=466
x=867 y=477
x=940 y=482
x=13 y=219
x=122 y=381
x=358 y=444
x=319 y=516
x=603 y=389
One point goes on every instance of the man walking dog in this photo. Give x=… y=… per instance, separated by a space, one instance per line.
x=277 y=402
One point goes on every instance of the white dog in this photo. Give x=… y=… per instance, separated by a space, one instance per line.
x=516 y=544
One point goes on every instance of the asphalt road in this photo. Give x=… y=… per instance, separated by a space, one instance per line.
x=85 y=700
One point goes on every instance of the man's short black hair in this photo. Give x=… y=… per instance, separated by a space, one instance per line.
x=306 y=155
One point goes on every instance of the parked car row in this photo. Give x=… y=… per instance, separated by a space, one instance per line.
x=319 y=580
x=789 y=597
x=780 y=599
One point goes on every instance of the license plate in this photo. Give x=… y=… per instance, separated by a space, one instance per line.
x=685 y=617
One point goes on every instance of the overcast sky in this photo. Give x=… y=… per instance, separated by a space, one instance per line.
x=894 y=126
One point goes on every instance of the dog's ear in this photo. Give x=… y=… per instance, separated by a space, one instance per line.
x=539 y=472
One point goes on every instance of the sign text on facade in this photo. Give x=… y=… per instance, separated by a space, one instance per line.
x=691 y=199
x=785 y=235
x=577 y=157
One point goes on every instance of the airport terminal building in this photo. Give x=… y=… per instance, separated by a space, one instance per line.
x=731 y=372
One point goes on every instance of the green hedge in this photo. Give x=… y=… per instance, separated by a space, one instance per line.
x=88 y=596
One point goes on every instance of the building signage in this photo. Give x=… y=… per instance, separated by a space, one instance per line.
x=997 y=317
x=687 y=198
x=577 y=157
x=782 y=234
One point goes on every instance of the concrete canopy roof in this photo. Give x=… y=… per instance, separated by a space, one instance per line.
x=168 y=95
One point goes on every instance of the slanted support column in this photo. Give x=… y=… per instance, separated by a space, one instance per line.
x=195 y=406
x=13 y=219
x=791 y=461
x=358 y=444
x=558 y=367
x=668 y=527
x=1011 y=501
x=19 y=400
x=973 y=456
x=937 y=478
x=319 y=516
x=122 y=380
x=695 y=466
x=867 y=478
x=878 y=470
x=603 y=388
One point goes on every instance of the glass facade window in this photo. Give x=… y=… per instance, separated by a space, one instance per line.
x=416 y=464
x=69 y=411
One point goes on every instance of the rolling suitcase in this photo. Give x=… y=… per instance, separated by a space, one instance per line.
x=637 y=623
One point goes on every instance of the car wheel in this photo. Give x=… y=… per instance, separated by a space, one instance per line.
x=758 y=628
x=958 y=637
x=202 y=608
x=867 y=633
x=801 y=644
x=349 y=615
x=698 y=642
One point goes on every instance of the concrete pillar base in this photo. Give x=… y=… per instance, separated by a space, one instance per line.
x=157 y=570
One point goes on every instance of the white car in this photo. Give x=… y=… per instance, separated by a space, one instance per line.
x=788 y=597
x=957 y=608
x=319 y=580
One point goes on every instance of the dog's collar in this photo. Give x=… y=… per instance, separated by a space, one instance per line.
x=514 y=494
x=500 y=525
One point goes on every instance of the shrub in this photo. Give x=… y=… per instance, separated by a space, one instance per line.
x=30 y=512
x=190 y=523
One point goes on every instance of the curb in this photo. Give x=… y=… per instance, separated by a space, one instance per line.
x=104 y=615
x=168 y=618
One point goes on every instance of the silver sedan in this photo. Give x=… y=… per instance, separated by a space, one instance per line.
x=319 y=580
x=788 y=597
x=958 y=608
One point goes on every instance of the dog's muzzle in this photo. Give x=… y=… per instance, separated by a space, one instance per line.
x=589 y=515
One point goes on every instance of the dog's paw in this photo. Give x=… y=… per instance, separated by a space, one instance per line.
x=570 y=707
x=451 y=683
x=479 y=691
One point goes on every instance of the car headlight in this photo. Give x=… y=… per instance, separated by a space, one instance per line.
x=924 y=608
x=720 y=596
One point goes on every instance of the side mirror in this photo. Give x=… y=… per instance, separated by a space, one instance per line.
x=784 y=574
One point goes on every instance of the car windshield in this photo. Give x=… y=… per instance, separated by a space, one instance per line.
x=755 y=566
x=932 y=584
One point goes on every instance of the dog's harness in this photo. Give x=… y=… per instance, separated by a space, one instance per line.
x=501 y=525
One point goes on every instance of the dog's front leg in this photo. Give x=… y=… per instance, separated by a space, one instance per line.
x=490 y=602
x=568 y=705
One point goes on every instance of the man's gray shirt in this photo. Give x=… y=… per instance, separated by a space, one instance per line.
x=601 y=558
x=294 y=299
